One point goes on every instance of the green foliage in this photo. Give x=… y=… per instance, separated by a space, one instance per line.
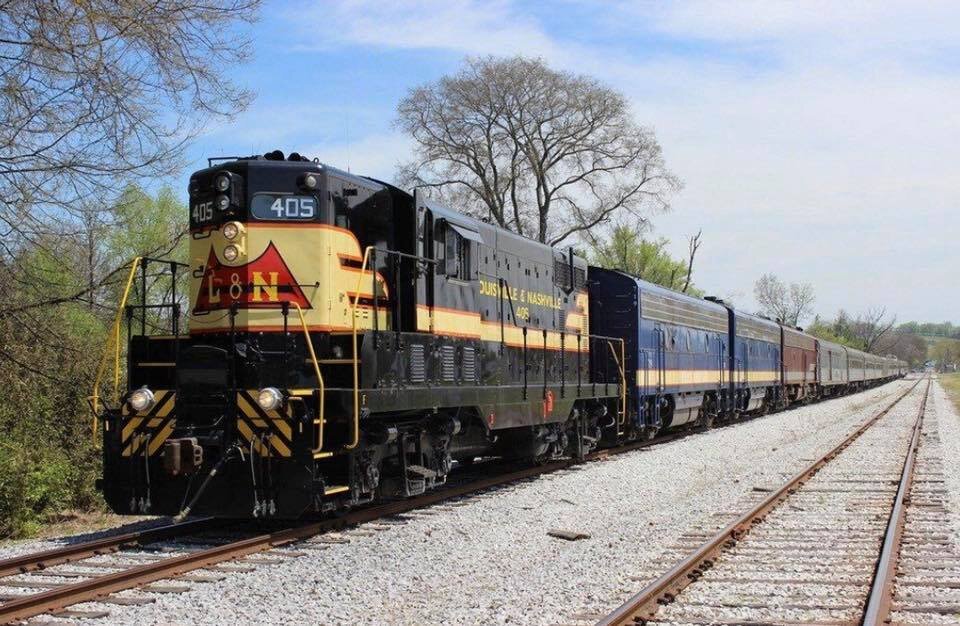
x=932 y=329
x=629 y=252
x=835 y=331
x=49 y=354
x=946 y=353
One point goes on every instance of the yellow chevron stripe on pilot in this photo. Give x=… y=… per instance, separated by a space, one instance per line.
x=274 y=441
x=250 y=437
x=165 y=409
x=160 y=438
x=128 y=428
x=128 y=450
x=278 y=421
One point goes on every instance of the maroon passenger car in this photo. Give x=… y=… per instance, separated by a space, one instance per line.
x=799 y=364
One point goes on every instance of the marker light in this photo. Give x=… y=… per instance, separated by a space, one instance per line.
x=269 y=398
x=231 y=230
x=310 y=181
x=230 y=253
x=223 y=202
x=141 y=400
x=222 y=182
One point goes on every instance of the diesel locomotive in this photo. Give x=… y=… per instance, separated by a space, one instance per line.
x=348 y=341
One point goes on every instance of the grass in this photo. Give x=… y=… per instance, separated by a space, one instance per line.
x=78 y=522
x=951 y=382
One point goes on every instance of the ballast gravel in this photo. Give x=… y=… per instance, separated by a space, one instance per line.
x=832 y=525
x=488 y=559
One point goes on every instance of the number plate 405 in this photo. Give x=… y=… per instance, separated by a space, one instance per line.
x=276 y=207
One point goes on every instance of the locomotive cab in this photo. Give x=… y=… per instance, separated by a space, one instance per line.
x=266 y=231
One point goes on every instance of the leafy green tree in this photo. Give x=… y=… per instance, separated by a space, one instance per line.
x=47 y=458
x=628 y=251
x=946 y=352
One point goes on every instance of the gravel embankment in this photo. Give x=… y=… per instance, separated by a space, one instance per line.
x=927 y=587
x=813 y=557
x=488 y=559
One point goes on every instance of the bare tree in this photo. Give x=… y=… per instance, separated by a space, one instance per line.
x=97 y=91
x=903 y=344
x=871 y=327
x=542 y=152
x=694 y=246
x=789 y=304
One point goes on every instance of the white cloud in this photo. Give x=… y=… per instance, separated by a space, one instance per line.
x=466 y=26
x=373 y=155
x=818 y=140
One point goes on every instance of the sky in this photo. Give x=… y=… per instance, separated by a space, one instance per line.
x=819 y=141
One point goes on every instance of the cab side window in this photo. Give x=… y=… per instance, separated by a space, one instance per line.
x=456 y=258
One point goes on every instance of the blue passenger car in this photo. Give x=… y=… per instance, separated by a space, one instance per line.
x=756 y=363
x=677 y=358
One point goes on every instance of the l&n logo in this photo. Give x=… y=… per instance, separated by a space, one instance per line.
x=264 y=281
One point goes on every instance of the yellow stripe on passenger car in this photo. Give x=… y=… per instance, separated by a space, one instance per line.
x=700 y=377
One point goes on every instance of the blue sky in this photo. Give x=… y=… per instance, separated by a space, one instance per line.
x=817 y=140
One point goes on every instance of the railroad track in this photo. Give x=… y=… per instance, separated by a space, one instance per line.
x=845 y=541
x=197 y=551
x=54 y=581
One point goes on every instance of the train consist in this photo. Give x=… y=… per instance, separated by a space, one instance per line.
x=349 y=342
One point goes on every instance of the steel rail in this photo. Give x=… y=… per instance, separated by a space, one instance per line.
x=89 y=590
x=76 y=552
x=59 y=598
x=643 y=605
x=880 y=599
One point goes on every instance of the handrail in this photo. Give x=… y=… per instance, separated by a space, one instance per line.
x=115 y=336
x=623 y=378
x=319 y=422
x=356 y=361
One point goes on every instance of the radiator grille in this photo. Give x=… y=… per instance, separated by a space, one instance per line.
x=448 y=365
x=469 y=365
x=418 y=368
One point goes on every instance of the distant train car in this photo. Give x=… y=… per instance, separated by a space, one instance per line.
x=873 y=369
x=831 y=368
x=799 y=364
x=856 y=367
x=676 y=349
x=756 y=363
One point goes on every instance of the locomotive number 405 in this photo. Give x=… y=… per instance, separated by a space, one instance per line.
x=276 y=207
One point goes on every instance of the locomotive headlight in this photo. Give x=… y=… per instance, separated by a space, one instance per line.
x=310 y=181
x=231 y=230
x=222 y=182
x=230 y=253
x=269 y=398
x=223 y=202
x=141 y=400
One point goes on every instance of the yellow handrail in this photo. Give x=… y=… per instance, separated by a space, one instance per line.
x=319 y=422
x=620 y=361
x=356 y=361
x=115 y=337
